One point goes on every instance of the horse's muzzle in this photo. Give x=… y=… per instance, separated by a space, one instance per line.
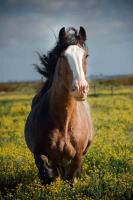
x=80 y=89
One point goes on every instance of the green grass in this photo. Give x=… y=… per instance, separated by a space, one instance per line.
x=108 y=165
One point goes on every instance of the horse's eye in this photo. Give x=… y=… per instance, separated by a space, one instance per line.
x=87 y=55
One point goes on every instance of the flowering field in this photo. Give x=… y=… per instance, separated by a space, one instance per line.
x=108 y=166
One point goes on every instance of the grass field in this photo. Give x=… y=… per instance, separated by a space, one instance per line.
x=108 y=166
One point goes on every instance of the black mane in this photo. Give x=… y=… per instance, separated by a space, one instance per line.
x=49 y=61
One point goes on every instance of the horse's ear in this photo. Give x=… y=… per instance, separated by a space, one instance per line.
x=82 y=33
x=62 y=34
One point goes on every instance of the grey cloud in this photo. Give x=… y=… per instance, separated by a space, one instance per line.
x=23 y=30
x=30 y=24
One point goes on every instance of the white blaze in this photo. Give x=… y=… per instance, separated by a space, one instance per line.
x=74 y=55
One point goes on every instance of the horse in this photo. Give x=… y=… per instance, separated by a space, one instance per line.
x=59 y=129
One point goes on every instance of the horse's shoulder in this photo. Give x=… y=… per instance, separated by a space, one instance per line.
x=37 y=99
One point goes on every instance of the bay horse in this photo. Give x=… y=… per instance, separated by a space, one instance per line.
x=58 y=130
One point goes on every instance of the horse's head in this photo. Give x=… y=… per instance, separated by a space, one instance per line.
x=73 y=62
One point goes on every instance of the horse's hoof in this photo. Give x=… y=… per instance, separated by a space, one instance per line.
x=46 y=181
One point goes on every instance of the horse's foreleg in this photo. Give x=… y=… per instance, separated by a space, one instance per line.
x=75 y=167
x=88 y=145
x=46 y=174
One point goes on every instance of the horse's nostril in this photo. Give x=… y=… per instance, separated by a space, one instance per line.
x=74 y=88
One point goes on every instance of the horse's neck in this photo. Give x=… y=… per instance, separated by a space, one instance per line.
x=62 y=105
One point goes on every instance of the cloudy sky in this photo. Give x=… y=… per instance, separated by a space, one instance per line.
x=28 y=25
